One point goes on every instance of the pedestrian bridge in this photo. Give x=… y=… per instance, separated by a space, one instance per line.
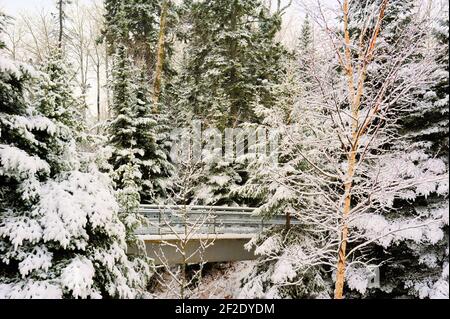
x=195 y=234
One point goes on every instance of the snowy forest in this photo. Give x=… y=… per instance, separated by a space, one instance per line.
x=325 y=122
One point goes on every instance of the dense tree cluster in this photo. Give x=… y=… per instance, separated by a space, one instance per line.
x=358 y=107
x=60 y=232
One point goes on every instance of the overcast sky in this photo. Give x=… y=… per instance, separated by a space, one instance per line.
x=12 y=7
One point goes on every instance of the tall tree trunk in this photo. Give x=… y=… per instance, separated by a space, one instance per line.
x=99 y=113
x=108 y=91
x=233 y=119
x=61 y=22
x=83 y=73
x=355 y=96
x=160 y=56
x=341 y=265
x=288 y=222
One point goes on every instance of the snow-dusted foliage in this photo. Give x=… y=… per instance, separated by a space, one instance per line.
x=397 y=169
x=286 y=267
x=218 y=177
x=60 y=232
x=294 y=260
x=232 y=58
x=408 y=180
x=55 y=98
x=136 y=135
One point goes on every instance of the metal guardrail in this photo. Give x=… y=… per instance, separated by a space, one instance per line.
x=165 y=219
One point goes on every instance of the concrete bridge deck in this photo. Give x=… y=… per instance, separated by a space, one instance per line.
x=194 y=234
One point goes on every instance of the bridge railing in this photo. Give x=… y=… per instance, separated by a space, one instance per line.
x=166 y=219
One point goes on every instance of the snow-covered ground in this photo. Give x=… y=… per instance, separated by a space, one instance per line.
x=221 y=281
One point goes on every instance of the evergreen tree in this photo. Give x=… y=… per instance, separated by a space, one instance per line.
x=306 y=36
x=137 y=136
x=55 y=98
x=122 y=128
x=232 y=59
x=277 y=185
x=219 y=177
x=60 y=233
x=141 y=20
x=305 y=54
x=231 y=63
x=153 y=139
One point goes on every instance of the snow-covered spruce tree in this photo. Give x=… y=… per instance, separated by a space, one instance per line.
x=218 y=179
x=305 y=54
x=125 y=160
x=140 y=17
x=305 y=42
x=121 y=128
x=418 y=259
x=55 y=95
x=60 y=234
x=199 y=163
x=232 y=58
x=128 y=199
x=137 y=135
x=153 y=139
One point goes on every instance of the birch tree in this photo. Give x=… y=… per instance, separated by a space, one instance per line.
x=344 y=177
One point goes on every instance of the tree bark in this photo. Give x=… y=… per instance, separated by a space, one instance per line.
x=233 y=120
x=288 y=221
x=61 y=22
x=355 y=97
x=108 y=90
x=99 y=113
x=160 y=56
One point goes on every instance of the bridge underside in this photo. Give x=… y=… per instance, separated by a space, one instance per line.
x=172 y=249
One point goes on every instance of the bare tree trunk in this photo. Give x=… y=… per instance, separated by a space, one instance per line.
x=99 y=112
x=288 y=221
x=235 y=110
x=83 y=74
x=160 y=56
x=108 y=92
x=61 y=22
x=355 y=96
